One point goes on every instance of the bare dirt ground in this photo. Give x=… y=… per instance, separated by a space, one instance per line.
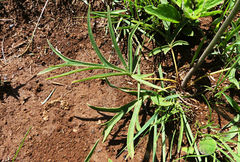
x=64 y=128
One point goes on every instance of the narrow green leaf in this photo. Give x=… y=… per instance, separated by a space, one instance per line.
x=160 y=101
x=164 y=12
x=211 y=13
x=233 y=103
x=164 y=154
x=100 y=76
x=145 y=126
x=189 y=133
x=95 y=47
x=113 y=110
x=21 y=144
x=112 y=34
x=110 y=124
x=171 y=144
x=147 y=83
x=155 y=138
x=75 y=71
x=225 y=153
x=51 y=68
x=198 y=50
x=70 y=62
x=131 y=129
x=91 y=152
x=229 y=149
x=180 y=138
x=130 y=52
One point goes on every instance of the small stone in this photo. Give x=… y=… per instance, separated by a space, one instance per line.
x=45 y=116
x=75 y=130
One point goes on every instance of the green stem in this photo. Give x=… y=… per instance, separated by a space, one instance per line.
x=212 y=44
x=175 y=63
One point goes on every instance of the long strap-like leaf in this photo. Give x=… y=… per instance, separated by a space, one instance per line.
x=70 y=62
x=130 y=46
x=99 y=76
x=95 y=47
x=112 y=34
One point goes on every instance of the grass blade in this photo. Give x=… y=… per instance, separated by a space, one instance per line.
x=130 y=46
x=180 y=138
x=70 y=62
x=51 y=68
x=143 y=129
x=147 y=83
x=163 y=142
x=233 y=103
x=110 y=124
x=91 y=152
x=131 y=129
x=190 y=135
x=113 y=110
x=99 y=54
x=99 y=76
x=76 y=71
x=21 y=144
x=112 y=34
x=155 y=138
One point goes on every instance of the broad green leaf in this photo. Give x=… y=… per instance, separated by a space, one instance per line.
x=233 y=79
x=91 y=152
x=179 y=43
x=112 y=34
x=207 y=146
x=164 y=12
x=113 y=110
x=131 y=129
x=165 y=49
x=233 y=103
x=100 y=76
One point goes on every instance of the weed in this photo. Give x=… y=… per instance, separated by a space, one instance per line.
x=166 y=105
